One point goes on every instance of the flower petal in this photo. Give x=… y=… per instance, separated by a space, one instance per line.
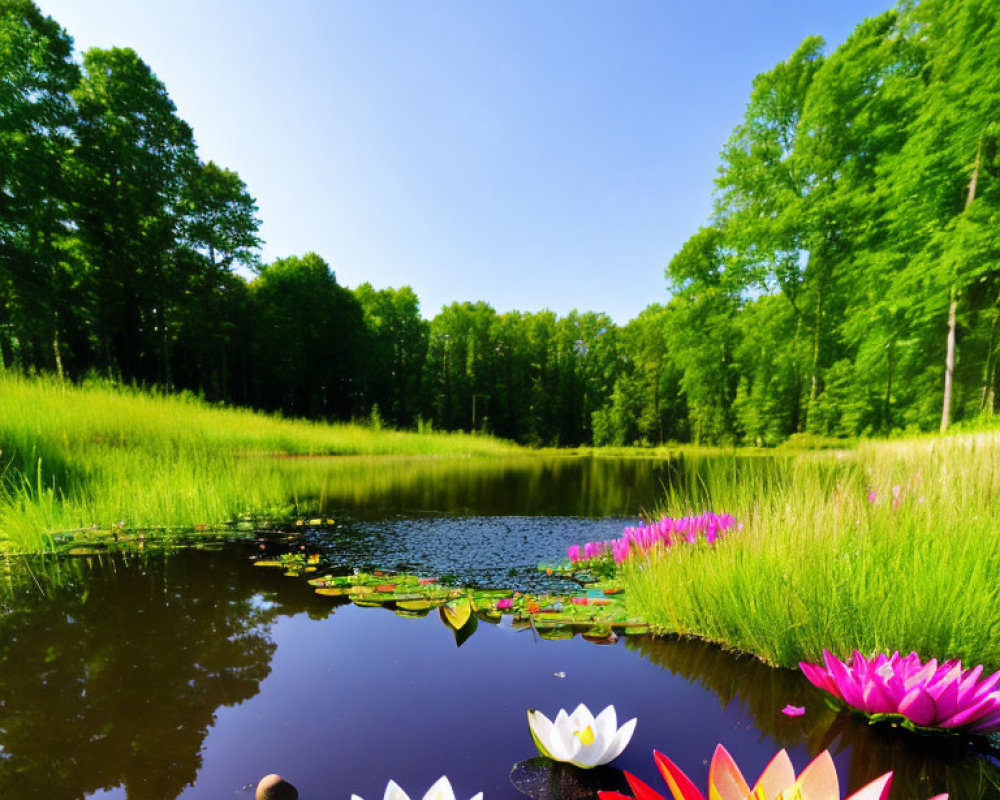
x=394 y=792
x=778 y=775
x=878 y=789
x=547 y=739
x=918 y=706
x=607 y=721
x=641 y=790
x=441 y=790
x=620 y=741
x=680 y=784
x=725 y=781
x=818 y=780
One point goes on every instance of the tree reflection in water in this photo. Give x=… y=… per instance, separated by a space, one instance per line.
x=922 y=765
x=112 y=668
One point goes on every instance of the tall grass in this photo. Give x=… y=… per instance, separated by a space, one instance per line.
x=819 y=566
x=101 y=455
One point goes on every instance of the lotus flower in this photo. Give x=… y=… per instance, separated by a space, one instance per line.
x=925 y=695
x=778 y=781
x=441 y=790
x=580 y=738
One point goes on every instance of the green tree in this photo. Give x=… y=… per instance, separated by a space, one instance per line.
x=132 y=155
x=308 y=334
x=37 y=76
x=395 y=349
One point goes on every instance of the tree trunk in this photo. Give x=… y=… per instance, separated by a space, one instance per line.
x=890 y=356
x=814 y=377
x=949 y=360
x=55 y=349
x=988 y=399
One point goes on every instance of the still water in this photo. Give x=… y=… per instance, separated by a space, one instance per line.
x=191 y=673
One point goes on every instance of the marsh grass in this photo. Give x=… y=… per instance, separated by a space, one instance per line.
x=819 y=566
x=73 y=457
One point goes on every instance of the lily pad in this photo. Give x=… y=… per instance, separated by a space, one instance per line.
x=422 y=604
x=552 y=634
x=542 y=778
x=457 y=613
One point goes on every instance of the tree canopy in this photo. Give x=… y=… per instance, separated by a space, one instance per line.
x=847 y=281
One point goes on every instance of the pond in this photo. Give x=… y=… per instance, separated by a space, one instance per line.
x=191 y=673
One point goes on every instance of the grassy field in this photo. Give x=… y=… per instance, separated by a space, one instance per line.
x=894 y=546
x=100 y=455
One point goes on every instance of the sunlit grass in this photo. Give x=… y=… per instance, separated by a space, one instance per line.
x=819 y=566
x=101 y=455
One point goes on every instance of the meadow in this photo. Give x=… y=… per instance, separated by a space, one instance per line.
x=102 y=455
x=894 y=546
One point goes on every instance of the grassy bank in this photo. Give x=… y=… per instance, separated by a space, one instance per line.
x=76 y=457
x=818 y=565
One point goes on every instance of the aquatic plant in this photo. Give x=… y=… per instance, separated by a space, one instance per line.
x=581 y=738
x=818 y=781
x=903 y=688
x=441 y=790
x=665 y=533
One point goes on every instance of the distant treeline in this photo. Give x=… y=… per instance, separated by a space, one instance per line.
x=853 y=253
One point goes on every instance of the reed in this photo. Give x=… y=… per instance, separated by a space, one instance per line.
x=894 y=546
x=100 y=455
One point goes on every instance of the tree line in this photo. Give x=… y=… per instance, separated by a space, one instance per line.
x=847 y=282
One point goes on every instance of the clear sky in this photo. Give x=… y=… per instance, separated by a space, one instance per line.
x=529 y=153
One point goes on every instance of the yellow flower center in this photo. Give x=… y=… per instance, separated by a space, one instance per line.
x=586 y=736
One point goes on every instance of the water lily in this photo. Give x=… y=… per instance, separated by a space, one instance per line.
x=581 y=738
x=818 y=781
x=441 y=790
x=793 y=711
x=923 y=694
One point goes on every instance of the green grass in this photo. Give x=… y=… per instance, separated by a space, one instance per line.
x=817 y=566
x=102 y=455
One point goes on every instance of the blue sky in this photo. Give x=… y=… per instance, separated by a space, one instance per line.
x=529 y=153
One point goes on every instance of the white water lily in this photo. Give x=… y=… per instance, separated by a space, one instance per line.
x=580 y=738
x=441 y=790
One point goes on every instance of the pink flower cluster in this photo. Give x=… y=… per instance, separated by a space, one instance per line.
x=666 y=532
x=928 y=695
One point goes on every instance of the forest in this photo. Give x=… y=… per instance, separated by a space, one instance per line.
x=846 y=283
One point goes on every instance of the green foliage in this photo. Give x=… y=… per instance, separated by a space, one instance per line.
x=857 y=206
x=819 y=566
x=102 y=454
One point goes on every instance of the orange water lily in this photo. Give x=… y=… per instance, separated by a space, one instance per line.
x=778 y=781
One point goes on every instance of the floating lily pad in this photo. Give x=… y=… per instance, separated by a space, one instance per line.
x=544 y=779
x=423 y=604
x=404 y=612
x=457 y=613
x=562 y=632
x=333 y=591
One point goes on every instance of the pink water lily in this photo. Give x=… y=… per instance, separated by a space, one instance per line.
x=793 y=711
x=924 y=694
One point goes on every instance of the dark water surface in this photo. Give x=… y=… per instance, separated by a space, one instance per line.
x=157 y=675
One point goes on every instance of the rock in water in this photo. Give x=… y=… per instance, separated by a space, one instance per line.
x=542 y=778
x=274 y=787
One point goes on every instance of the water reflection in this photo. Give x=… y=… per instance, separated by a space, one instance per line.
x=111 y=675
x=580 y=486
x=923 y=766
x=137 y=671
